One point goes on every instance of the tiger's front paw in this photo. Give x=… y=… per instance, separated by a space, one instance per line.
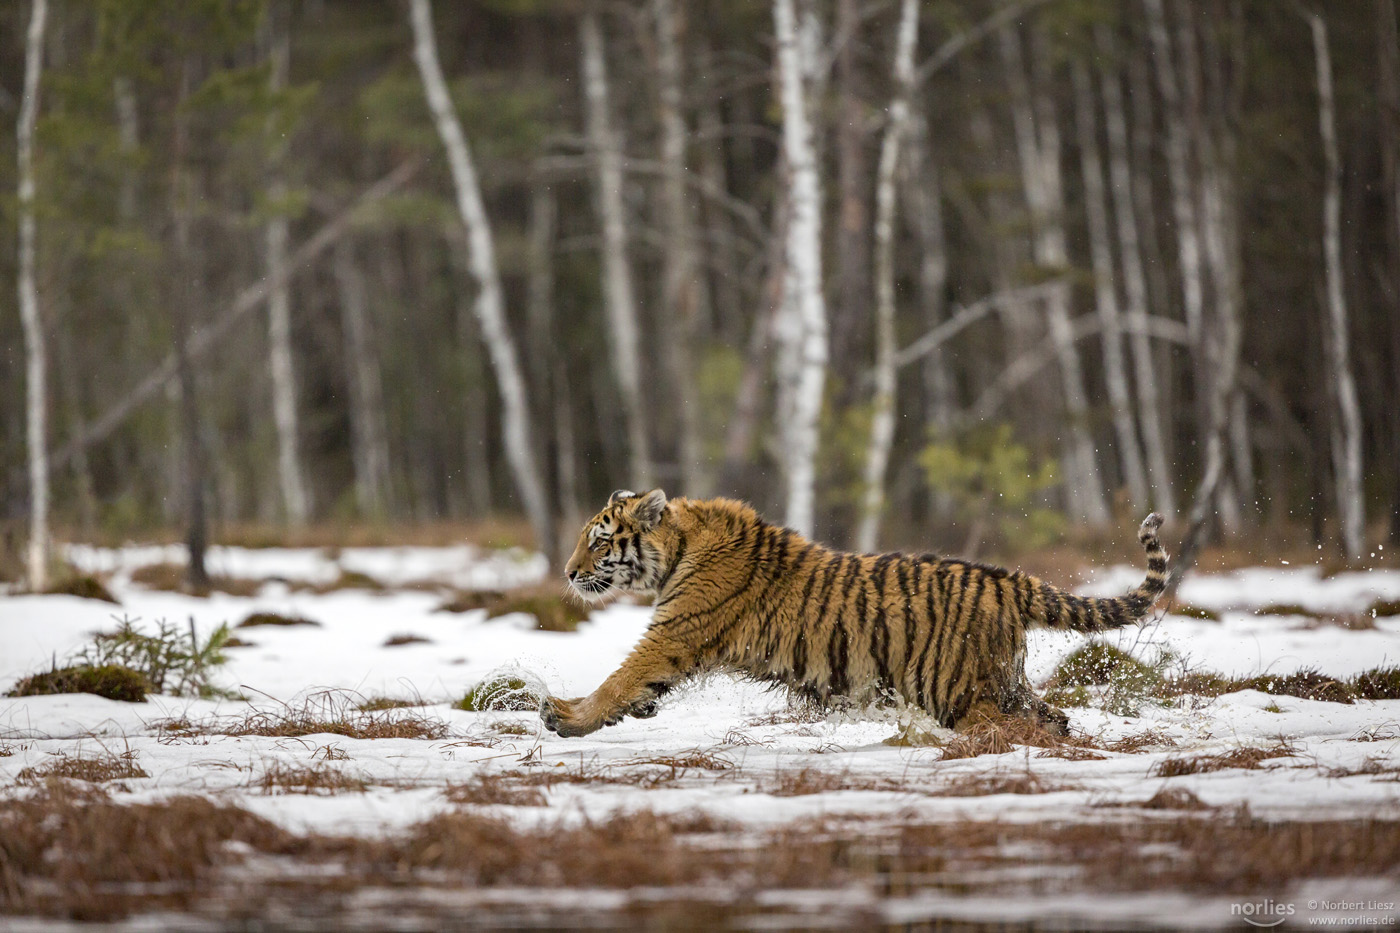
x=562 y=717
x=644 y=710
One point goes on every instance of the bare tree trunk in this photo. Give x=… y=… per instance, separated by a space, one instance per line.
x=850 y=314
x=882 y=422
x=1105 y=289
x=682 y=293
x=1346 y=434
x=490 y=302
x=37 y=555
x=279 y=305
x=1388 y=55
x=618 y=295
x=183 y=299
x=1135 y=284
x=1038 y=147
x=924 y=190
x=368 y=436
x=801 y=326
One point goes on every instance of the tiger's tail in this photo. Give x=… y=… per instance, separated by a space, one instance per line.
x=1056 y=609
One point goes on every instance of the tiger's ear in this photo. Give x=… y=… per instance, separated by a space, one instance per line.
x=649 y=508
x=619 y=495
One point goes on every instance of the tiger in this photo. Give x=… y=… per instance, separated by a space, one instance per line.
x=737 y=594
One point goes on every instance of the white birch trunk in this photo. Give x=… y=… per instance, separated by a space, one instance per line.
x=490 y=302
x=1179 y=172
x=1105 y=286
x=882 y=422
x=1038 y=147
x=1135 y=286
x=37 y=555
x=682 y=295
x=279 y=304
x=618 y=293
x=1346 y=448
x=368 y=436
x=801 y=328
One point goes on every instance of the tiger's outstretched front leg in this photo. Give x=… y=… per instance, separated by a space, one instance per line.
x=653 y=667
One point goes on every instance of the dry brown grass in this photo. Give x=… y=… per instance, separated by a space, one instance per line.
x=276 y=620
x=83 y=586
x=985 y=785
x=1376 y=767
x=554 y=610
x=998 y=734
x=76 y=854
x=1141 y=741
x=171 y=578
x=319 y=779
x=398 y=641
x=495 y=789
x=1247 y=758
x=332 y=712
x=95 y=770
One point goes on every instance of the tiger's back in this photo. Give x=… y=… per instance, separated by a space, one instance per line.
x=734 y=592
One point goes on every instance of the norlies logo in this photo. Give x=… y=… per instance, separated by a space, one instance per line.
x=1265 y=913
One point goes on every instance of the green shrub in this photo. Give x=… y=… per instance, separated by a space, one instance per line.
x=112 y=681
x=1126 y=681
x=173 y=660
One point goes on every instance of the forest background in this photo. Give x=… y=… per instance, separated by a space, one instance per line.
x=939 y=275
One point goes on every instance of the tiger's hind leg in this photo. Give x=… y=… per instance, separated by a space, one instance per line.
x=1020 y=700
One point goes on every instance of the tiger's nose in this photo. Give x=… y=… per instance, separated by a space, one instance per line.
x=572 y=574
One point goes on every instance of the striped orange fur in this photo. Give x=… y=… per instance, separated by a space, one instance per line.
x=735 y=593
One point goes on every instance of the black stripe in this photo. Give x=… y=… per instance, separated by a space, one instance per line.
x=681 y=546
x=879 y=626
x=951 y=613
x=743 y=588
x=1052 y=605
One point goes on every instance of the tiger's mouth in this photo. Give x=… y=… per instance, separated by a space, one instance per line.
x=590 y=587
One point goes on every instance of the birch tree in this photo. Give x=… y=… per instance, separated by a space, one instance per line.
x=682 y=292
x=295 y=499
x=618 y=292
x=36 y=425
x=368 y=436
x=1388 y=92
x=489 y=306
x=1135 y=288
x=882 y=422
x=801 y=327
x=1105 y=286
x=1038 y=149
x=1346 y=431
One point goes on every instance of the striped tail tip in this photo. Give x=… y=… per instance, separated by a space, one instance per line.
x=1147 y=531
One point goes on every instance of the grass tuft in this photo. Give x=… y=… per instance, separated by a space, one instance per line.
x=1138 y=741
x=172 y=578
x=1384 y=608
x=319 y=779
x=495 y=790
x=397 y=641
x=1247 y=758
x=275 y=619
x=83 y=586
x=1195 y=612
x=1379 y=683
x=93 y=770
x=996 y=735
x=986 y=785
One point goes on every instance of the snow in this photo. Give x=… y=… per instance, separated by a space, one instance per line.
x=344 y=659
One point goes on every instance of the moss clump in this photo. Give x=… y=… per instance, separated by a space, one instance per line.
x=1077 y=695
x=83 y=586
x=1307 y=684
x=112 y=681
x=274 y=618
x=1379 y=683
x=469 y=600
x=500 y=692
x=1092 y=665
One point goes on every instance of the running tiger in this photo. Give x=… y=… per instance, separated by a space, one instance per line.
x=734 y=593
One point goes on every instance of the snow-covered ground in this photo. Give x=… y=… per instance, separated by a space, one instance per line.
x=743 y=726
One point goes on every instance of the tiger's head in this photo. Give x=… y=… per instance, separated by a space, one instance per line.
x=615 y=551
